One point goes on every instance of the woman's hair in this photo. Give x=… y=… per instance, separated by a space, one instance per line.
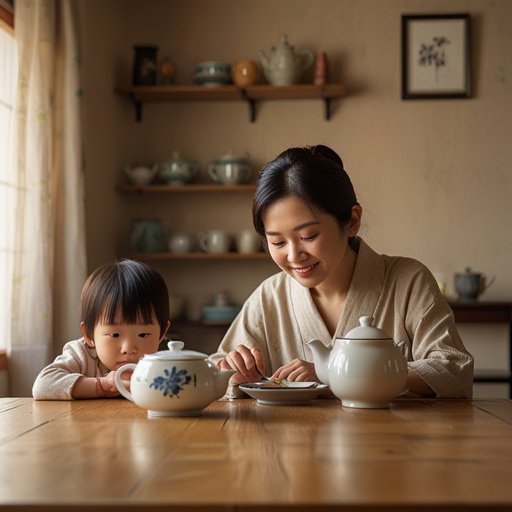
x=132 y=289
x=314 y=174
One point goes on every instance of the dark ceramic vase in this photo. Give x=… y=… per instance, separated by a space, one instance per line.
x=144 y=65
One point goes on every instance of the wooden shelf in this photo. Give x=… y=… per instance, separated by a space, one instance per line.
x=192 y=187
x=164 y=93
x=201 y=256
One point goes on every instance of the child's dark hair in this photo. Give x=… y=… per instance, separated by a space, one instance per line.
x=130 y=288
x=314 y=174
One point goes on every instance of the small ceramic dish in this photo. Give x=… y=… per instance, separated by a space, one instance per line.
x=283 y=395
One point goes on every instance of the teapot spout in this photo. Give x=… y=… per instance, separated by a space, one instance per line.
x=221 y=382
x=321 y=356
x=263 y=60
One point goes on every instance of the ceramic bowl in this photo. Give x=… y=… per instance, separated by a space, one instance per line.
x=211 y=73
x=219 y=313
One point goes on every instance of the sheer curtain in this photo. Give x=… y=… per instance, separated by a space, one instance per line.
x=49 y=260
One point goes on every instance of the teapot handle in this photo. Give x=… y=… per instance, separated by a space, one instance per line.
x=202 y=241
x=488 y=284
x=119 y=383
x=306 y=57
x=211 y=172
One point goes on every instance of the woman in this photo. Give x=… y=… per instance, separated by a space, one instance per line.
x=306 y=210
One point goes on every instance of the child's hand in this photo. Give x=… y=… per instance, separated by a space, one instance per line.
x=108 y=385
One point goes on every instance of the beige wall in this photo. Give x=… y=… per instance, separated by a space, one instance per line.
x=434 y=177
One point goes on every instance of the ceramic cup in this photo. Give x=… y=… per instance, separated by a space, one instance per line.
x=248 y=241
x=214 y=241
x=181 y=243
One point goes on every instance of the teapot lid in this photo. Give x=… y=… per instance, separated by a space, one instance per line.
x=176 y=353
x=231 y=157
x=468 y=272
x=366 y=331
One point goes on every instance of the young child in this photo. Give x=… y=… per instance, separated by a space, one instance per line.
x=124 y=311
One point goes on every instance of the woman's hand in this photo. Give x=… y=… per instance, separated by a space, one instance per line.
x=248 y=362
x=298 y=371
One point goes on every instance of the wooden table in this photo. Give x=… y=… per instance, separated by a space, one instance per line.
x=420 y=455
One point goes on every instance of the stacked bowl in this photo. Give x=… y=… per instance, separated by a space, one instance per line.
x=212 y=73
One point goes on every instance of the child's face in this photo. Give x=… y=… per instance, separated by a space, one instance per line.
x=119 y=343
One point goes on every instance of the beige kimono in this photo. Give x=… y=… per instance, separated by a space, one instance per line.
x=401 y=294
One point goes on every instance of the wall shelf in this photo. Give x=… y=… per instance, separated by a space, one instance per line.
x=200 y=256
x=192 y=187
x=165 y=93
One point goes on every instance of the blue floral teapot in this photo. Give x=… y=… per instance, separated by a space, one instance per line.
x=174 y=382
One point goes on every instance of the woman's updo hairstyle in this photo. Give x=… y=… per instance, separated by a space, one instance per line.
x=314 y=174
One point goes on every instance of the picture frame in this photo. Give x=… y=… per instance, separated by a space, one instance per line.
x=436 y=57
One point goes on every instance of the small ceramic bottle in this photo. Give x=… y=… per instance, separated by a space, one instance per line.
x=321 y=69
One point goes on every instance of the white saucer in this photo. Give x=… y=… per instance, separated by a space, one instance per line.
x=283 y=396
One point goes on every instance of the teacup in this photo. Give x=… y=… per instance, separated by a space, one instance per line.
x=248 y=241
x=214 y=241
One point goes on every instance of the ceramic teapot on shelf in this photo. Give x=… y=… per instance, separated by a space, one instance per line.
x=174 y=382
x=469 y=285
x=140 y=174
x=230 y=169
x=286 y=64
x=178 y=170
x=365 y=369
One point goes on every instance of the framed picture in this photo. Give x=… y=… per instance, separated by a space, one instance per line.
x=436 y=56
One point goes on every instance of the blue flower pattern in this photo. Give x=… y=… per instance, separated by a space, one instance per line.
x=172 y=383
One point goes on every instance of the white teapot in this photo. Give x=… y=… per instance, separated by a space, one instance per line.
x=365 y=369
x=286 y=65
x=174 y=382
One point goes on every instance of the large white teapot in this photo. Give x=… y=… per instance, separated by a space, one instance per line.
x=286 y=64
x=174 y=382
x=364 y=369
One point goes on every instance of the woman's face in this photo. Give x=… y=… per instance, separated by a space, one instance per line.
x=308 y=245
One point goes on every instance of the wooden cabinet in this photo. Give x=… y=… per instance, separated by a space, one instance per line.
x=488 y=313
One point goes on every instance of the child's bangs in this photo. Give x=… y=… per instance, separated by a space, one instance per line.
x=127 y=309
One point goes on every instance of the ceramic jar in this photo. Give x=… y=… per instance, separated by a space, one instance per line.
x=364 y=369
x=147 y=235
x=174 y=382
x=245 y=72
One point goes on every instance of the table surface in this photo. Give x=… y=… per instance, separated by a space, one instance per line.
x=240 y=455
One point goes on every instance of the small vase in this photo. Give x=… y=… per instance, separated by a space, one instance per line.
x=144 y=65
